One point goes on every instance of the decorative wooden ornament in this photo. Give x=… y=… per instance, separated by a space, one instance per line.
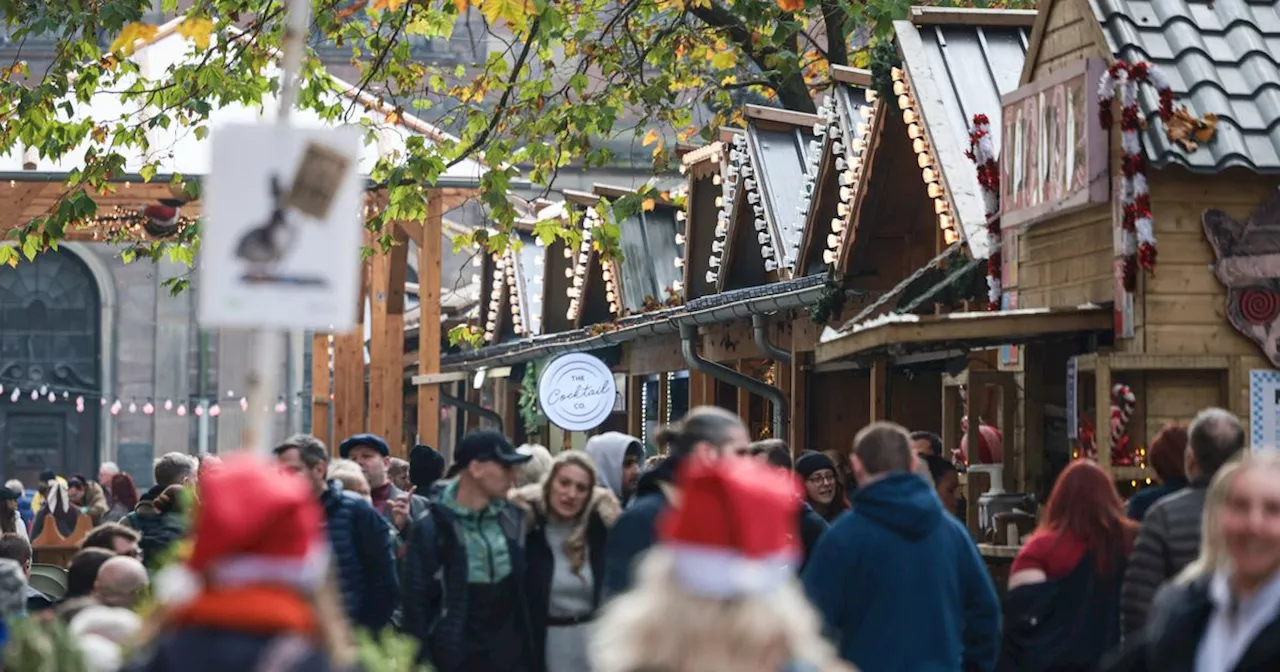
x=982 y=153
x=1188 y=131
x=1248 y=264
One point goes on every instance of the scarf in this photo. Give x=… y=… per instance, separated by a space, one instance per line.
x=260 y=610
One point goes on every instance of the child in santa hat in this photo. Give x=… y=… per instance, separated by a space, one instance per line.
x=256 y=591
x=719 y=591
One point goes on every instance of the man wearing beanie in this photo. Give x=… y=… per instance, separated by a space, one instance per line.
x=426 y=466
x=464 y=597
x=819 y=475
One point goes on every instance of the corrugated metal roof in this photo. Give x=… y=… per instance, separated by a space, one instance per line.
x=649 y=253
x=958 y=71
x=1219 y=57
x=530 y=271
x=781 y=160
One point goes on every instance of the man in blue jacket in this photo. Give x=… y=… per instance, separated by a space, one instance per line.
x=898 y=581
x=360 y=537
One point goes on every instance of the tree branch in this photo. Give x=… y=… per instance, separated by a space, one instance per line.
x=834 y=17
x=791 y=89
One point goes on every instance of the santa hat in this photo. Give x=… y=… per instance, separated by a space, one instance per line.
x=275 y=537
x=990 y=443
x=733 y=532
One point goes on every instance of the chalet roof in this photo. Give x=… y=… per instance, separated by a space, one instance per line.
x=958 y=64
x=178 y=150
x=835 y=169
x=1221 y=57
x=652 y=256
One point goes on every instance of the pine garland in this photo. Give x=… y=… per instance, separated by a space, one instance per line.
x=982 y=154
x=1137 y=236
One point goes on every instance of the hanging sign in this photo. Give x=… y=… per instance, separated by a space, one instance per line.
x=1073 y=400
x=280 y=247
x=577 y=392
x=1264 y=408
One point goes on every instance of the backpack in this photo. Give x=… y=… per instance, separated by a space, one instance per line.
x=1065 y=623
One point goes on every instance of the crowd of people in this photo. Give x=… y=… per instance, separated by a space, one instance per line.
x=723 y=554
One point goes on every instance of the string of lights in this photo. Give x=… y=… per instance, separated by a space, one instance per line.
x=20 y=391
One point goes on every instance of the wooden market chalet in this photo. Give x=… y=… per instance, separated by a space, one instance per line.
x=824 y=271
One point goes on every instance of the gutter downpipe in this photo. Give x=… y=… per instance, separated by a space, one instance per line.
x=473 y=408
x=760 y=327
x=777 y=400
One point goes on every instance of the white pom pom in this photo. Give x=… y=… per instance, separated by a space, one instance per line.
x=177 y=585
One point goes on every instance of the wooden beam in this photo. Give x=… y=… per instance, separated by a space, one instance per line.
x=744 y=397
x=320 y=403
x=1034 y=393
x=801 y=365
x=1123 y=361
x=386 y=348
x=879 y=389
x=348 y=374
x=1102 y=411
x=635 y=410
x=429 y=260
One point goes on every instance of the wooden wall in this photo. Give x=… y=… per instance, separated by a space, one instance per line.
x=839 y=405
x=1067 y=261
x=915 y=401
x=1070 y=33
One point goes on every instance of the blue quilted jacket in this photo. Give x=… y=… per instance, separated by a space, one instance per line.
x=362 y=549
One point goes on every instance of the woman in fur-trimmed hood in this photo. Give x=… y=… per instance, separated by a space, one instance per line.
x=570 y=514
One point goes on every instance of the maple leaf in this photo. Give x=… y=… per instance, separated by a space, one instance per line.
x=198 y=30
x=724 y=59
x=130 y=35
x=512 y=12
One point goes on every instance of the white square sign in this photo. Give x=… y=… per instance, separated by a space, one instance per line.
x=280 y=247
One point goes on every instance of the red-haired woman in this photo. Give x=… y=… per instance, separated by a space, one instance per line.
x=1167 y=458
x=124 y=498
x=1063 y=608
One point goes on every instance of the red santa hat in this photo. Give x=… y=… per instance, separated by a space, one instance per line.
x=990 y=443
x=254 y=525
x=733 y=532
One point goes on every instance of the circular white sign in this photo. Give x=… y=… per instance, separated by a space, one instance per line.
x=576 y=392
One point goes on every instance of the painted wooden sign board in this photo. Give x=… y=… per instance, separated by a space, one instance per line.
x=280 y=247
x=1053 y=152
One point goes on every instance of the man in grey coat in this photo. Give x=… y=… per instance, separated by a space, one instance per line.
x=1169 y=538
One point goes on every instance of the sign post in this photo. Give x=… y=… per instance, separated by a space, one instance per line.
x=577 y=392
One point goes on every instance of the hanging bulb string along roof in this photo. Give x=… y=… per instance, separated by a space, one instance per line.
x=116 y=405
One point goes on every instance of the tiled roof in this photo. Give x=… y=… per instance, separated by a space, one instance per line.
x=957 y=71
x=1221 y=57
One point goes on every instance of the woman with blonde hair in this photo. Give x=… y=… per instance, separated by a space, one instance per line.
x=1222 y=613
x=352 y=477
x=569 y=515
x=718 y=593
x=256 y=591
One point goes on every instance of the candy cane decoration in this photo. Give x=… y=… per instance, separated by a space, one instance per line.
x=1123 y=402
x=982 y=153
x=1137 y=236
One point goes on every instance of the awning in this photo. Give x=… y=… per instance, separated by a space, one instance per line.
x=898 y=334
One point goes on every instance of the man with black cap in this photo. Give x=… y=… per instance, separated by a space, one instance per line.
x=464 y=595
x=373 y=455
x=426 y=466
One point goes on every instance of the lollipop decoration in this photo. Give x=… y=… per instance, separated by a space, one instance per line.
x=982 y=153
x=1123 y=402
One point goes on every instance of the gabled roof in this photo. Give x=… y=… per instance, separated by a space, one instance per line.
x=703 y=167
x=592 y=295
x=1220 y=57
x=177 y=148
x=836 y=169
x=958 y=63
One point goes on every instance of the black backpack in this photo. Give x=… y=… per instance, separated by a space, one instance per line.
x=1063 y=624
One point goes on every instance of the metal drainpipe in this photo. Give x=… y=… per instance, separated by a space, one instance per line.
x=777 y=400
x=760 y=327
x=473 y=408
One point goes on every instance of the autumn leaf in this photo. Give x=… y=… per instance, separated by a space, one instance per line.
x=387 y=5
x=650 y=137
x=130 y=35
x=790 y=5
x=461 y=5
x=395 y=116
x=648 y=204
x=724 y=59
x=512 y=12
x=197 y=30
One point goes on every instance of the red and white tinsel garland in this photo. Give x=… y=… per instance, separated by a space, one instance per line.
x=982 y=153
x=1139 y=241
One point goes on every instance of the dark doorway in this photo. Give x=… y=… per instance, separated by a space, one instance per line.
x=50 y=343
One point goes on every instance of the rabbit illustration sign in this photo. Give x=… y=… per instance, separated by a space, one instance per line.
x=281 y=243
x=1248 y=264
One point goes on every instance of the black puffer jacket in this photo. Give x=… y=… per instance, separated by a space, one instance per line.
x=1168 y=541
x=362 y=548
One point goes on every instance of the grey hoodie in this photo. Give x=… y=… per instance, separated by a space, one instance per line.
x=607 y=451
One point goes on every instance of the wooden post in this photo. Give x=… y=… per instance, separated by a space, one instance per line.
x=1033 y=394
x=1102 y=412
x=879 y=389
x=744 y=399
x=320 y=344
x=801 y=362
x=386 y=347
x=348 y=376
x=697 y=389
x=429 y=324
x=635 y=411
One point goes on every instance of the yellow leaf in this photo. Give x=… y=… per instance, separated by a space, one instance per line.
x=650 y=137
x=197 y=30
x=388 y=5
x=724 y=59
x=648 y=204
x=394 y=117
x=704 y=4
x=461 y=5
x=128 y=38
x=510 y=11
x=729 y=80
